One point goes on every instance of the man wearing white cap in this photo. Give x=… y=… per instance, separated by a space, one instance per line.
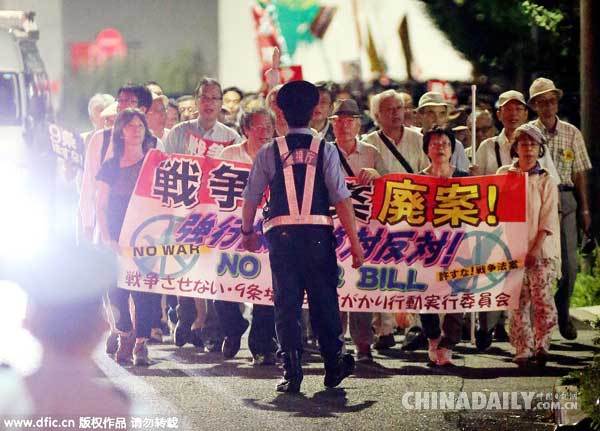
x=491 y=155
x=495 y=152
x=568 y=151
x=433 y=110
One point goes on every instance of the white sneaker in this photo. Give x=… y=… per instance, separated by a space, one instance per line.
x=433 y=347
x=444 y=357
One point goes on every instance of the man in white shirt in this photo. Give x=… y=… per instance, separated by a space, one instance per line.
x=495 y=152
x=401 y=150
x=205 y=136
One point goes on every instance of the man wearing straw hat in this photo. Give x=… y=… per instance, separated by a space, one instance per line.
x=434 y=110
x=568 y=151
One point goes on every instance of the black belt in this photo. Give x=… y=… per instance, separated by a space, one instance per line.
x=565 y=188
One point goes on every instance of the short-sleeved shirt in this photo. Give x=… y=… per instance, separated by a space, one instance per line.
x=182 y=139
x=236 y=153
x=568 y=151
x=410 y=146
x=263 y=171
x=364 y=156
x=121 y=182
x=459 y=157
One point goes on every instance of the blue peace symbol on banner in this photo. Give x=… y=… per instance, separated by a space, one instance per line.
x=147 y=264
x=485 y=244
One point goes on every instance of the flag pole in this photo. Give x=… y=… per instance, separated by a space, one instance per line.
x=473 y=124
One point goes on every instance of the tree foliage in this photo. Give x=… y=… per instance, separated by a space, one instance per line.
x=514 y=41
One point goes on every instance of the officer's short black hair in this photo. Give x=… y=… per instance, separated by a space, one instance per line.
x=437 y=131
x=297 y=101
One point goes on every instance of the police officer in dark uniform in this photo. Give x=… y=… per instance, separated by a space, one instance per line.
x=305 y=178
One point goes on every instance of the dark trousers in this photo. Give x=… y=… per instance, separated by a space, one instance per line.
x=452 y=328
x=186 y=313
x=489 y=319
x=303 y=259
x=568 y=245
x=145 y=307
x=157 y=313
x=262 y=331
x=171 y=301
x=230 y=318
x=186 y=310
x=223 y=318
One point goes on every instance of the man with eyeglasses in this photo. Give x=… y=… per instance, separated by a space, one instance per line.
x=401 y=150
x=186 y=108
x=358 y=160
x=206 y=136
x=569 y=153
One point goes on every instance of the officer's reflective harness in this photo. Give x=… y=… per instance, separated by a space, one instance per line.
x=297 y=217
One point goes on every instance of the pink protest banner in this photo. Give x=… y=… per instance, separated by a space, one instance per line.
x=431 y=245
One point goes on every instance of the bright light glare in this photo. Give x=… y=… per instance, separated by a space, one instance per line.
x=18 y=347
x=24 y=222
x=14 y=300
x=23 y=227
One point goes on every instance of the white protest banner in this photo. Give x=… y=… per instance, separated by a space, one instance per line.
x=431 y=245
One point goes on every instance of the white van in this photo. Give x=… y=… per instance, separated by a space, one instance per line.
x=25 y=107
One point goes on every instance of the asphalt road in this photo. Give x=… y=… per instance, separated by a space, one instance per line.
x=205 y=392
